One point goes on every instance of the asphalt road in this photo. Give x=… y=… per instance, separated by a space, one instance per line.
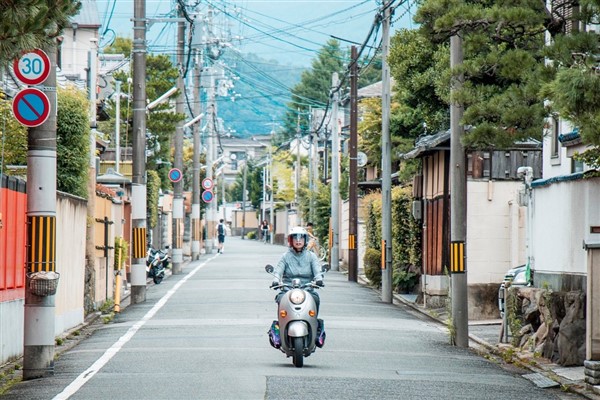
x=202 y=334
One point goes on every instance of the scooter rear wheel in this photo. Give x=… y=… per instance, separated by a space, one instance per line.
x=298 y=357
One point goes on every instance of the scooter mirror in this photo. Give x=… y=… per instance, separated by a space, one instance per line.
x=325 y=267
x=269 y=268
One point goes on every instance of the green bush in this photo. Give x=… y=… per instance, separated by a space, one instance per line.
x=372 y=263
x=251 y=235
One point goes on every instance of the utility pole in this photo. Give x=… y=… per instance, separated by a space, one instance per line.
x=353 y=184
x=90 y=241
x=39 y=319
x=297 y=180
x=117 y=126
x=458 y=201
x=272 y=194
x=196 y=234
x=386 y=161
x=335 y=179
x=210 y=214
x=138 y=190
x=245 y=177
x=178 y=205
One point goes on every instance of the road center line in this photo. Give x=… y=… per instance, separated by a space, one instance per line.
x=116 y=347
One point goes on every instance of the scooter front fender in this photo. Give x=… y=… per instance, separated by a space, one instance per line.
x=297 y=329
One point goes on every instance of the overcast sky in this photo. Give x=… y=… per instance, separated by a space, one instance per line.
x=288 y=31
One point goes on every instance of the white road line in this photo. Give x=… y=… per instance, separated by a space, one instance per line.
x=116 y=347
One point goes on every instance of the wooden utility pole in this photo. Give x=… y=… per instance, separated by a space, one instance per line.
x=353 y=184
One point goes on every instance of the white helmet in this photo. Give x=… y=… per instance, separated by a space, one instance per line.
x=297 y=231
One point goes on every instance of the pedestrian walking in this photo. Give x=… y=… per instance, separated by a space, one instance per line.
x=265 y=228
x=220 y=230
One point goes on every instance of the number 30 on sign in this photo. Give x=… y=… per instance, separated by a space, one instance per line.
x=33 y=67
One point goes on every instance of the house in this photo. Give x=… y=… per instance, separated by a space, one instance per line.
x=565 y=212
x=496 y=219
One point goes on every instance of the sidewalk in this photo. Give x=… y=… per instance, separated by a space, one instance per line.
x=484 y=336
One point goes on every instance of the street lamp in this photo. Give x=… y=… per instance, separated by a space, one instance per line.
x=161 y=99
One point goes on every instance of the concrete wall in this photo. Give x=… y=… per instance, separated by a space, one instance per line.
x=70 y=262
x=563 y=214
x=496 y=230
x=71 y=217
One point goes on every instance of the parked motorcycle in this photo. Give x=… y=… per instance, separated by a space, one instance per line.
x=157 y=261
x=297 y=324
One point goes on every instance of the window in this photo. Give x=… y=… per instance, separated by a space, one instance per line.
x=555 y=142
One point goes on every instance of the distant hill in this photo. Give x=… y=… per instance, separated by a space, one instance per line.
x=259 y=96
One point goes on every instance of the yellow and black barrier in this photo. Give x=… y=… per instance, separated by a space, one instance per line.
x=457 y=257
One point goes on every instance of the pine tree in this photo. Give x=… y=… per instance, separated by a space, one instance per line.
x=30 y=24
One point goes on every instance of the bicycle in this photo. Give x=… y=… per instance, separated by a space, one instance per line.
x=315 y=247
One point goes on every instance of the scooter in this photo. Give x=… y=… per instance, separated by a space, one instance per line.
x=297 y=322
x=157 y=261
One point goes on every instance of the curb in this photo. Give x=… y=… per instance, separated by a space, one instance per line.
x=585 y=390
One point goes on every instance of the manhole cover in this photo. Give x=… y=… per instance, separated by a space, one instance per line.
x=541 y=381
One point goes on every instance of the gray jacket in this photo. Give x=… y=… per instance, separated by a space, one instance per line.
x=304 y=265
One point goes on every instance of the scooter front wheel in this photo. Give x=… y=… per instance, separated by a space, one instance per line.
x=158 y=279
x=298 y=357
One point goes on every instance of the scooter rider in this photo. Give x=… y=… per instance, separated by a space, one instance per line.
x=300 y=263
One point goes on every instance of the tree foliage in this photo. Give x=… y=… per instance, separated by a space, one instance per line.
x=30 y=24
x=13 y=137
x=72 y=142
x=503 y=44
x=161 y=75
x=314 y=88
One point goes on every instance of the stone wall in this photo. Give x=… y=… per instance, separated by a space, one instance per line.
x=550 y=324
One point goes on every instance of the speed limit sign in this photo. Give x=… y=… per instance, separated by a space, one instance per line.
x=33 y=67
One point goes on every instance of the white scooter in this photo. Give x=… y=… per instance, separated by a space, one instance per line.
x=297 y=319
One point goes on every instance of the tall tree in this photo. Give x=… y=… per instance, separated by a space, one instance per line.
x=574 y=90
x=30 y=24
x=314 y=88
x=503 y=43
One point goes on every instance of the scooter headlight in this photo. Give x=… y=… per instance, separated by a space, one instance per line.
x=297 y=296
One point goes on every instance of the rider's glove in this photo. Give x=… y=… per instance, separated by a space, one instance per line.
x=320 y=283
x=274 y=284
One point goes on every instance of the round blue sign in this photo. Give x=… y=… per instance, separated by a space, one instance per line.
x=175 y=175
x=31 y=107
x=208 y=196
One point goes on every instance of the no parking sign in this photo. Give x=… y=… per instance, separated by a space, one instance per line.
x=31 y=107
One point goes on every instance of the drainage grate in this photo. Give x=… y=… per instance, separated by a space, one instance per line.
x=541 y=381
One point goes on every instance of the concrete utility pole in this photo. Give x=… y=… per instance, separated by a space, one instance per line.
x=458 y=205
x=38 y=350
x=90 y=241
x=196 y=232
x=353 y=184
x=244 y=197
x=272 y=194
x=297 y=174
x=335 y=176
x=386 y=161
x=117 y=126
x=210 y=148
x=178 y=205
x=138 y=190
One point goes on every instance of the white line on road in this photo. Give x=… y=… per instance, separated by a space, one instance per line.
x=116 y=347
